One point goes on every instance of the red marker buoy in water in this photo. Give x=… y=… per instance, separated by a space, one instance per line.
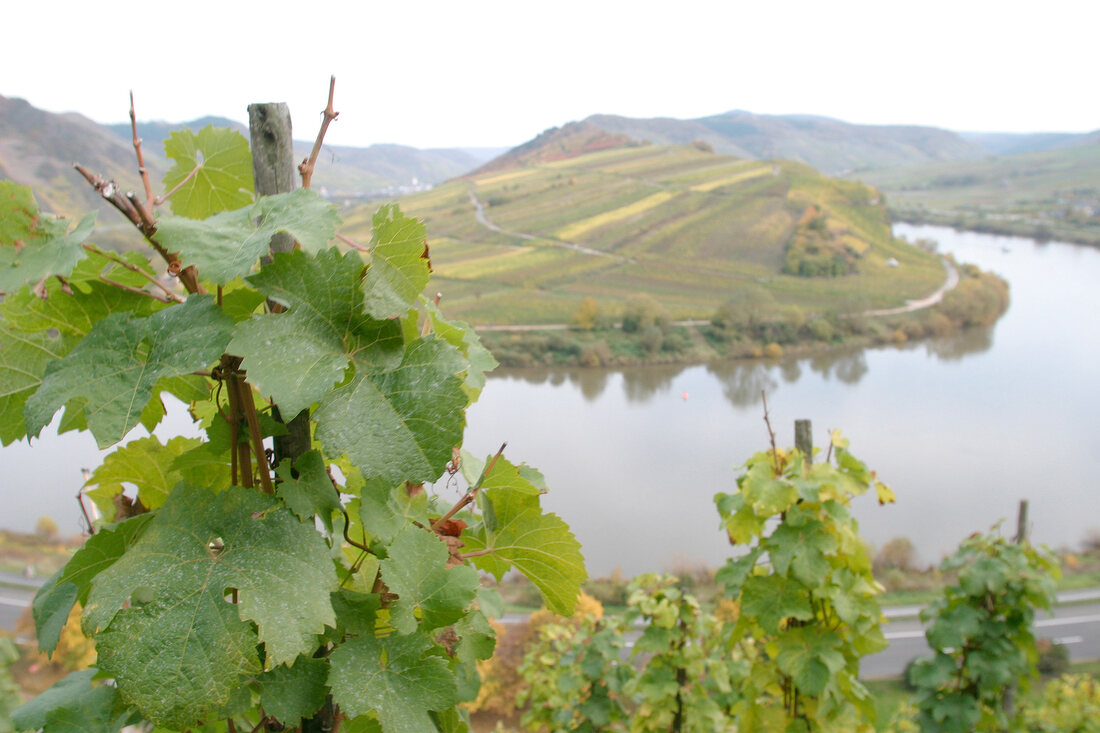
x=685 y=396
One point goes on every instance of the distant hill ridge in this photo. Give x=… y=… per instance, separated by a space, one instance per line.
x=831 y=146
x=345 y=170
x=38 y=149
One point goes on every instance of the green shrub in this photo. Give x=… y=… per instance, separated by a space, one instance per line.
x=643 y=310
x=595 y=354
x=1053 y=657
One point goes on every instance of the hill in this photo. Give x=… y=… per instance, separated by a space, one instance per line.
x=1051 y=194
x=831 y=146
x=1010 y=143
x=527 y=243
x=38 y=149
x=556 y=143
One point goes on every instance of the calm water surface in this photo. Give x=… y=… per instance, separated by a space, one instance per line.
x=962 y=428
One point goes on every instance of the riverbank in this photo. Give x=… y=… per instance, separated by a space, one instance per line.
x=1041 y=230
x=744 y=328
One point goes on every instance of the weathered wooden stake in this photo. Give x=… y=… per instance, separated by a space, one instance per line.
x=804 y=439
x=273 y=171
x=1021 y=523
x=1021 y=537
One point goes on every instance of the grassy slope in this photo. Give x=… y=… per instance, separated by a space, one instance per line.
x=1051 y=193
x=685 y=226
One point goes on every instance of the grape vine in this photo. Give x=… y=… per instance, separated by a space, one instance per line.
x=810 y=612
x=980 y=632
x=336 y=588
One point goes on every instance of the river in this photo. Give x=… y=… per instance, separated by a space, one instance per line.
x=962 y=428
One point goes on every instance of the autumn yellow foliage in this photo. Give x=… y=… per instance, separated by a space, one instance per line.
x=500 y=679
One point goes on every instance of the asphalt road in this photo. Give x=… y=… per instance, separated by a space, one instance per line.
x=12 y=603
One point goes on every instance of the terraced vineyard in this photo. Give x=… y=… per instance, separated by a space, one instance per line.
x=686 y=226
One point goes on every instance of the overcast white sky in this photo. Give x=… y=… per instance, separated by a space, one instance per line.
x=442 y=74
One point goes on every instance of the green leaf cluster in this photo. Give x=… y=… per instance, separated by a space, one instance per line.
x=227 y=592
x=574 y=678
x=807 y=595
x=980 y=634
x=682 y=673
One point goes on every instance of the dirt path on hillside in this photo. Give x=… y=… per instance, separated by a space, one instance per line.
x=926 y=302
x=479 y=212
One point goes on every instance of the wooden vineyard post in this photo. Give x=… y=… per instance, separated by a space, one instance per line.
x=274 y=172
x=804 y=439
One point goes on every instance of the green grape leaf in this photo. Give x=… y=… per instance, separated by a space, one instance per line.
x=73 y=310
x=383 y=510
x=400 y=425
x=538 y=545
x=733 y=574
x=180 y=649
x=772 y=598
x=740 y=521
x=33 y=244
x=809 y=656
x=312 y=492
x=800 y=545
x=219 y=164
x=56 y=597
x=509 y=477
x=145 y=463
x=292 y=693
x=464 y=338
x=226 y=246
x=115 y=367
x=206 y=465
x=363 y=724
x=296 y=357
x=399 y=267
x=853 y=597
x=766 y=494
x=239 y=301
x=51 y=607
x=396 y=677
x=189 y=389
x=429 y=593
x=955 y=626
x=73 y=704
x=955 y=712
x=476 y=638
x=356 y=613
x=23 y=361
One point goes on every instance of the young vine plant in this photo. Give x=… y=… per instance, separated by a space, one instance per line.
x=324 y=587
x=808 y=599
x=980 y=633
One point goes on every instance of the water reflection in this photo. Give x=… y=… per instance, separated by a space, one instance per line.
x=743 y=381
x=953 y=348
x=641 y=384
x=847 y=365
